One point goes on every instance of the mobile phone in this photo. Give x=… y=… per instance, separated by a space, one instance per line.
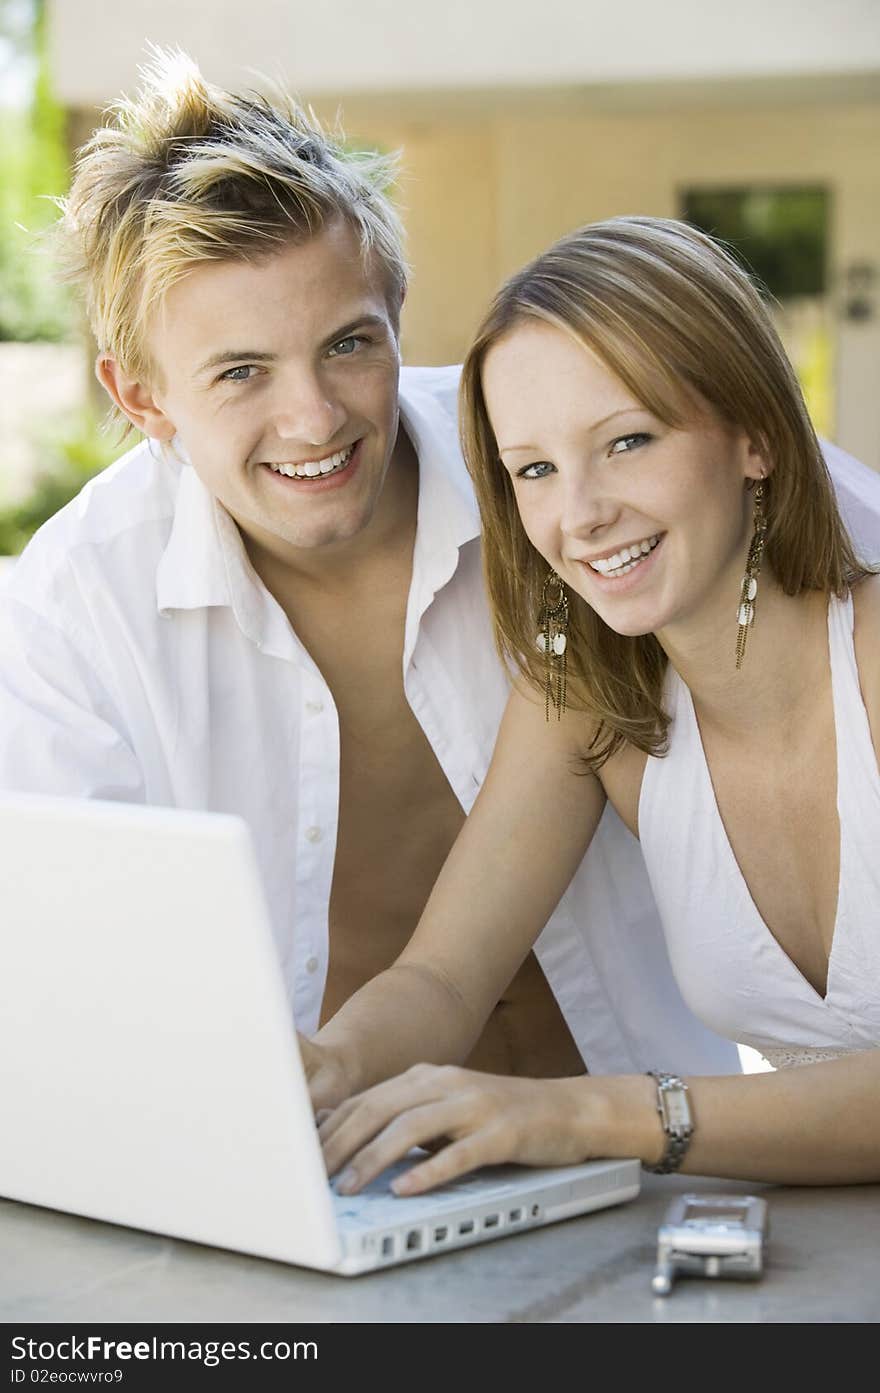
x=710 y=1236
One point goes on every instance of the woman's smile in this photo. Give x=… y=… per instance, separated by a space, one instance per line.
x=625 y=568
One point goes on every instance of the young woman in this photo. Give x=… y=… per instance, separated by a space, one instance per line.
x=694 y=640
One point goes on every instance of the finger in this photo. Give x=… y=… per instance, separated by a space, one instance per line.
x=332 y=1119
x=395 y=1141
x=456 y=1159
x=367 y=1158
x=364 y=1116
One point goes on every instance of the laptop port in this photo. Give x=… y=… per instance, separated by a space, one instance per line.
x=441 y=1234
x=388 y=1247
x=536 y=1210
x=515 y=1216
x=491 y=1221
x=414 y=1240
x=466 y=1227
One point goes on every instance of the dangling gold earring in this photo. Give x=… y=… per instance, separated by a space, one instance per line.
x=749 y=590
x=552 y=640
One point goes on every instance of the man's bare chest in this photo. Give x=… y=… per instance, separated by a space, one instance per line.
x=398 y=818
x=398 y=815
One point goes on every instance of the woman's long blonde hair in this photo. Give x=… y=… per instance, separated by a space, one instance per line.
x=674 y=316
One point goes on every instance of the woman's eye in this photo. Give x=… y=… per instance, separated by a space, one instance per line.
x=535 y=471
x=345 y=347
x=624 y=443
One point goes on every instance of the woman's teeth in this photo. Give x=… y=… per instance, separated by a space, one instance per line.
x=311 y=469
x=626 y=559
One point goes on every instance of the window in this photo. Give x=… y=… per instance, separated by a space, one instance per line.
x=780 y=234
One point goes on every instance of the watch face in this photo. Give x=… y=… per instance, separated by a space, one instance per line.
x=678 y=1114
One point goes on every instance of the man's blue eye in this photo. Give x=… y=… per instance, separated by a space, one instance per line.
x=345 y=347
x=234 y=374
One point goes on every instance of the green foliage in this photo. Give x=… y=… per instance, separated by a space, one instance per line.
x=73 y=454
x=780 y=234
x=33 y=171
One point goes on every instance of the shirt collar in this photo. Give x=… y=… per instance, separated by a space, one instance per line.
x=205 y=564
x=191 y=573
x=448 y=516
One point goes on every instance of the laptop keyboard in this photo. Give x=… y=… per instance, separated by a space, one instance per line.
x=378 y=1205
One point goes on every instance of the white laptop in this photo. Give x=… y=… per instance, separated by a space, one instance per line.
x=149 y=1072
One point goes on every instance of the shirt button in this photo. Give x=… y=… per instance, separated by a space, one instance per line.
x=314 y=708
x=313 y=834
x=312 y=965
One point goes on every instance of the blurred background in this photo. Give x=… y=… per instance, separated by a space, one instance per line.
x=516 y=122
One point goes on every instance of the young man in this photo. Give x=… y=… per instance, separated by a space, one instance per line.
x=274 y=606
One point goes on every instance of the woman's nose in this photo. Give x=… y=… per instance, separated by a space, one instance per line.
x=587 y=507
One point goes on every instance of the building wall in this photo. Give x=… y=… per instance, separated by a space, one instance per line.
x=411 y=45
x=518 y=122
x=481 y=196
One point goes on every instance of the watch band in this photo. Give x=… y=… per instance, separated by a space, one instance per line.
x=674 y=1108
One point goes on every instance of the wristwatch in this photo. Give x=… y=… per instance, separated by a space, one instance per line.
x=675 y=1116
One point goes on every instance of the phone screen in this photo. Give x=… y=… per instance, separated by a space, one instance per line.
x=714 y=1214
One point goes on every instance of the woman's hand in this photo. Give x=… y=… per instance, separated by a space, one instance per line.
x=325 y=1074
x=477 y=1119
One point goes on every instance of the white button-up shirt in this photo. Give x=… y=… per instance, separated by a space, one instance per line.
x=142 y=659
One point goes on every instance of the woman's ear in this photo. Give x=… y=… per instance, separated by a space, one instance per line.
x=758 y=464
x=134 y=399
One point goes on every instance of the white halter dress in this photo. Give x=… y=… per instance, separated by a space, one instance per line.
x=730 y=969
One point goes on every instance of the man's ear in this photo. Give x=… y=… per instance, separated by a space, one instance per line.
x=134 y=399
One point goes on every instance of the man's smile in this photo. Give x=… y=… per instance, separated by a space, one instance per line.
x=329 y=472
x=312 y=469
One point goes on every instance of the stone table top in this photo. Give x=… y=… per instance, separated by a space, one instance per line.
x=822 y=1264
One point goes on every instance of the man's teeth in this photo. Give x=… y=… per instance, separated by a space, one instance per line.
x=625 y=559
x=312 y=468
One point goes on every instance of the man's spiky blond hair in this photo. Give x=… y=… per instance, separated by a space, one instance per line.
x=187 y=173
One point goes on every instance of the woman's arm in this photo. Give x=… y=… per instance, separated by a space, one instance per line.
x=817 y=1124
x=519 y=848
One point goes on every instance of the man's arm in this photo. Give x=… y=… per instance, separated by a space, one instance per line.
x=527 y=833
x=60 y=732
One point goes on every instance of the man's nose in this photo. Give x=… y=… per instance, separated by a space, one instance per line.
x=306 y=410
